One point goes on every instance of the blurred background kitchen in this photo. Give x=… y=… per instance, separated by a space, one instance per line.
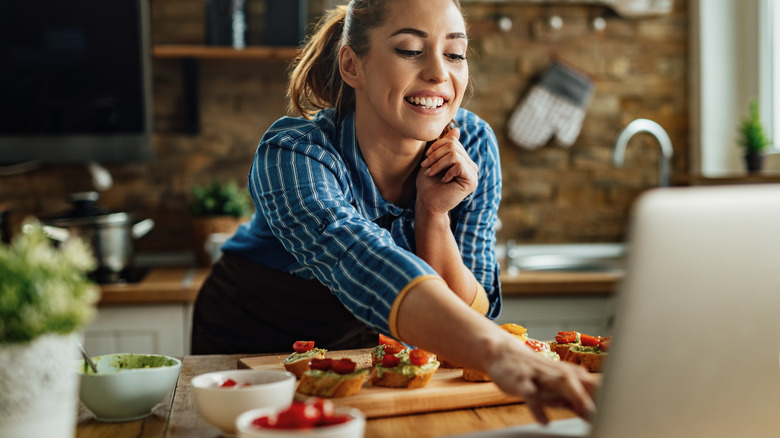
x=691 y=66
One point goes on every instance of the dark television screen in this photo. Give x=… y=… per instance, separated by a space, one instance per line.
x=75 y=81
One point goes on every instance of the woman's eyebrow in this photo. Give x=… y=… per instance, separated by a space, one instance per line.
x=423 y=34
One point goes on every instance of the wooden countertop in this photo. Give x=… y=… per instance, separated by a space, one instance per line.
x=181 y=284
x=159 y=285
x=550 y=283
x=177 y=416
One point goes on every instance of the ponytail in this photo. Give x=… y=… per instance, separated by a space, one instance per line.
x=315 y=81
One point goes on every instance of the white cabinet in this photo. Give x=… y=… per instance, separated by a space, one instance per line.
x=544 y=316
x=140 y=328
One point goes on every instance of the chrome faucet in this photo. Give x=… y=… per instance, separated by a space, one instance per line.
x=654 y=129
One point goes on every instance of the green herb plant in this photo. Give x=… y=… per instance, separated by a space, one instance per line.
x=221 y=199
x=44 y=289
x=751 y=131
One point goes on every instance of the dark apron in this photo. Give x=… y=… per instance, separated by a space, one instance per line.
x=245 y=307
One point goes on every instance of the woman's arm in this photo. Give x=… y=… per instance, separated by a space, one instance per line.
x=431 y=317
x=455 y=228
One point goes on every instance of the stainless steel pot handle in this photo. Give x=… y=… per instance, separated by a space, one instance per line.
x=140 y=229
x=56 y=233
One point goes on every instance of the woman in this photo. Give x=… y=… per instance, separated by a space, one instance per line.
x=376 y=210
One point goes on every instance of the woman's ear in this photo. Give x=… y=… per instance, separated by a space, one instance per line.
x=350 y=68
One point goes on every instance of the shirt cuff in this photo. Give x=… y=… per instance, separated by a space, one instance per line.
x=481 y=303
x=393 y=318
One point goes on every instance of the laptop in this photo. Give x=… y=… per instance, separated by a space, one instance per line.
x=696 y=350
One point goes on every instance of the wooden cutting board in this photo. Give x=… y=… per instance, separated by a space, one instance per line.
x=445 y=391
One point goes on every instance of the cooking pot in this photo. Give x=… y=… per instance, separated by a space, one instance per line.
x=109 y=234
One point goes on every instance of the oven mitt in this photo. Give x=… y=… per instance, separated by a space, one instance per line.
x=554 y=107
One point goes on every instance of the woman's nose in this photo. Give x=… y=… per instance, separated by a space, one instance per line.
x=435 y=70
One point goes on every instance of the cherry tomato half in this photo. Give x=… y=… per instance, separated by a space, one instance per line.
x=321 y=364
x=393 y=348
x=384 y=340
x=568 y=337
x=419 y=357
x=537 y=345
x=588 y=340
x=344 y=366
x=229 y=383
x=390 y=361
x=303 y=346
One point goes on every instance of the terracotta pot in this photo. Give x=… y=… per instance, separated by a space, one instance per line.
x=203 y=227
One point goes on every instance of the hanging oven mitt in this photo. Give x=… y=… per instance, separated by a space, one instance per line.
x=554 y=107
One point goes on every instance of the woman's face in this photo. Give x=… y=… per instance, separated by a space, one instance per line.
x=415 y=73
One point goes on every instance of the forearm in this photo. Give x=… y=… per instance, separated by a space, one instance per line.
x=437 y=246
x=431 y=317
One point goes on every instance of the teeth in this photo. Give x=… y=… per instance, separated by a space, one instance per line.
x=426 y=102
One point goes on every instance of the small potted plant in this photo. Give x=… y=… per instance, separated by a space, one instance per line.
x=217 y=208
x=46 y=297
x=753 y=139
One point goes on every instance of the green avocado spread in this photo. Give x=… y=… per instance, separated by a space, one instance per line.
x=132 y=361
x=407 y=368
x=295 y=357
x=585 y=349
x=332 y=374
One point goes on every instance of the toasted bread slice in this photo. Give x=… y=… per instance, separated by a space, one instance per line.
x=592 y=361
x=330 y=384
x=394 y=379
x=561 y=349
x=473 y=375
x=300 y=365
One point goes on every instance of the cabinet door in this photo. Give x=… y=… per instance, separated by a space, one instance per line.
x=151 y=329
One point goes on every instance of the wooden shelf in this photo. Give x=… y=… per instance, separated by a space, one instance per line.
x=228 y=53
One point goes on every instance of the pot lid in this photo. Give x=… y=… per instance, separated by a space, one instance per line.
x=85 y=212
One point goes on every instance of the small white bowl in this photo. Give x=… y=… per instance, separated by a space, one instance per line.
x=123 y=389
x=221 y=406
x=354 y=428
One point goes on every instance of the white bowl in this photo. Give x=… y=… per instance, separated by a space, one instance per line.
x=221 y=406
x=354 y=428
x=123 y=389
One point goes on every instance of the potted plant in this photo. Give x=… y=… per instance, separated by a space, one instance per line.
x=46 y=297
x=217 y=208
x=752 y=139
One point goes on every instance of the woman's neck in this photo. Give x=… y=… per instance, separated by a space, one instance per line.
x=392 y=163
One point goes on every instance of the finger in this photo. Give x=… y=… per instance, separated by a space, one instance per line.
x=447 y=138
x=439 y=164
x=571 y=390
x=532 y=400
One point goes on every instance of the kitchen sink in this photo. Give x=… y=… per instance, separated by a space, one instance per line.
x=577 y=257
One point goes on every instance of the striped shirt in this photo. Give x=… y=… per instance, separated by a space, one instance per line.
x=319 y=215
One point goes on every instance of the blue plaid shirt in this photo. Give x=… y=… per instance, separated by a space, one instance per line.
x=319 y=215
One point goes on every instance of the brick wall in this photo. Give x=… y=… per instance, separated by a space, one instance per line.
x=553 y=194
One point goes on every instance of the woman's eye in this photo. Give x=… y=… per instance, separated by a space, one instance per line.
x=408 y=53
x=455 y=57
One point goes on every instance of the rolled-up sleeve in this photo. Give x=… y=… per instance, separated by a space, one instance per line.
x=300 y=187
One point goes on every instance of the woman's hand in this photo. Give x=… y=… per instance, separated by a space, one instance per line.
x=447 y=175
x=542 y=382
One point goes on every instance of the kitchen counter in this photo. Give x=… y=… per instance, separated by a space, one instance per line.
x=181 y=284
x=551 y=283
x=177 y=416
x=159 y=285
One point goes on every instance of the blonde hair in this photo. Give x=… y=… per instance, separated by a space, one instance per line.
x=315 y=80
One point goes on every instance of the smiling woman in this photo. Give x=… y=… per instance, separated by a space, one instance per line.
x=376 y=209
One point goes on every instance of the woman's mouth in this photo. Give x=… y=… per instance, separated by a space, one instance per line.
x=426 y=102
